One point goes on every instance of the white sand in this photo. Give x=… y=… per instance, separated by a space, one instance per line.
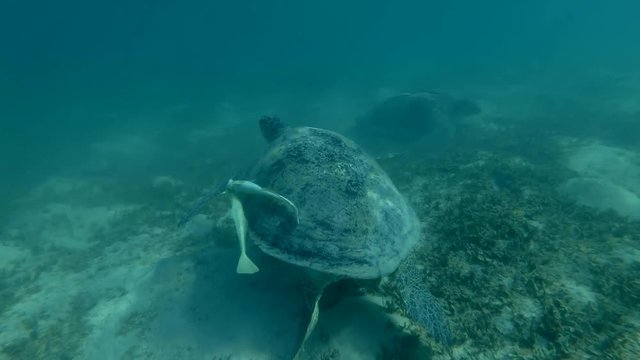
x=608 y=179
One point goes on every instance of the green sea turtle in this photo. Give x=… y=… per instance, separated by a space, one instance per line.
x=404 y=121
x=316 y=200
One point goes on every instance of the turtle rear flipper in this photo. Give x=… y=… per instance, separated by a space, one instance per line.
x=313 y=317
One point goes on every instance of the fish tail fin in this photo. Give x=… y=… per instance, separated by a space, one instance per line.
x=246 y=266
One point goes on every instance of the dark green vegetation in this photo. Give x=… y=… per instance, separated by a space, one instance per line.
x=521 y=272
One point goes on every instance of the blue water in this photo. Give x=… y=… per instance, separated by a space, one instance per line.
x=139 y=107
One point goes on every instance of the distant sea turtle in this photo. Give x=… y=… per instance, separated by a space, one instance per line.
x=331 y=210
x=400 y=121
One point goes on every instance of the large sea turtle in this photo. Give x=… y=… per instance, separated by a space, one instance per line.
x=317 y=201
x=405 y=121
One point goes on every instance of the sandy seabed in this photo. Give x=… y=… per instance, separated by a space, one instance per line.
x=535 y=253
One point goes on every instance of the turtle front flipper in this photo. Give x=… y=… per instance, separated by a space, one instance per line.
x=418 y=302
x=198 y=205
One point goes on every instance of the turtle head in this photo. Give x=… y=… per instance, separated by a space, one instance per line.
x=271 y=127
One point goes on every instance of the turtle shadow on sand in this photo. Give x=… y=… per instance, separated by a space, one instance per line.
x=196 y=308
x=193 y=307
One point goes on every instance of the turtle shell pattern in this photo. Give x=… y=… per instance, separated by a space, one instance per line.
x=352 y=220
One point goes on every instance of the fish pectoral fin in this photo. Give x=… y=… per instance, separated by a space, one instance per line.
x=286 y=202
x=249 y=188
